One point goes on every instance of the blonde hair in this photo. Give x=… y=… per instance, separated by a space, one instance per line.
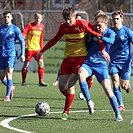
x=38 y=15
x=98 y=12
x=101 y=18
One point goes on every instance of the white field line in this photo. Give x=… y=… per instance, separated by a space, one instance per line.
x=5 y=123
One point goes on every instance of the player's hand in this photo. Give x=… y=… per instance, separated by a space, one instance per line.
x=22 y=58
x=39 y=55
x=105 y=55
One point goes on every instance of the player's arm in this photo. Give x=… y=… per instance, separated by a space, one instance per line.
x=21 y=41
x=26 y=29
x=52 y=42
x=42 y=38
x=110 y=39
x=24 y=33
x=130 y=34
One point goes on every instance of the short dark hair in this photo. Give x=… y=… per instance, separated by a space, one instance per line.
x=6 y=12
x=118 y=12
x=67 y=11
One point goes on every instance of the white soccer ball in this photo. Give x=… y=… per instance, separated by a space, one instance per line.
x=42 y=108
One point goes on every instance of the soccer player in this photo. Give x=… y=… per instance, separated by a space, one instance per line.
x=74 y=31
x=97 y=65
x=35 y=35
x=78 y=16
x=9 y=33
x=121 y=62
x=87 y=41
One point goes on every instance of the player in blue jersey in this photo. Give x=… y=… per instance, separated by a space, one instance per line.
x=9 y=33
x=97 y=65
x=120 y=64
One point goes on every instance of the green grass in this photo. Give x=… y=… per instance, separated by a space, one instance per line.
x=26 y=98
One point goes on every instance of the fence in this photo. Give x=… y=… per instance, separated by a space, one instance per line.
x=52 y=20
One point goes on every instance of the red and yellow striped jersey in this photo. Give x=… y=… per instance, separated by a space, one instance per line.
x=35 y=34
x=74 y=38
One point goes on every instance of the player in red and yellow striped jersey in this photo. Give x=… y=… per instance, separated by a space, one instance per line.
x=34 y=33
x=74 y=31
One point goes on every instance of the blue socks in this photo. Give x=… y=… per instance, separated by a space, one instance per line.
x=114 y=104
x=118 y=95
x=84 y=89
x=9 y=86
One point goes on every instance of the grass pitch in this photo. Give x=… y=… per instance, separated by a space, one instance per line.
x=25 y=99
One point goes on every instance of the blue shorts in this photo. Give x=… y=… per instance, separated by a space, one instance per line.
x=100 y=71
x=8 y=62
x=123 y=70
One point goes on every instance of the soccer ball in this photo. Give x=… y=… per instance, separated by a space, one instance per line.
x=42 y=108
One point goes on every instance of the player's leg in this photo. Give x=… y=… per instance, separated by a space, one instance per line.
x=4 y=81
x=41 y=73
x=89 y=81
x=125 y=84
x=67 y=88
x=113 y=101
x=57 y=78
x=103 y=78
x=3 y=77
x=24 y=73
x=83 y=73
x=9 y=84
x=116 y=89
x=68 y=78
x=40 y=69
x=10 y=62
x=28 y=56
x=125 y=76
x=114 y=72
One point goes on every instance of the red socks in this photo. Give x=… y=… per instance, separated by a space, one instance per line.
x=89 y=82
x=68 y=101
x=40 y=74
x=24 y=73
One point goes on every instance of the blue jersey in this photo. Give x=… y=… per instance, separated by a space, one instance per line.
x=8 y=36
x=95 y=63
x=120 y=53
x=94 y=54
x=120 y=50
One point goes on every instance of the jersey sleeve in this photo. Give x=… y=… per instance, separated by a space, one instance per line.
x=21 y=40
x=42 y=37
x=54 y=40
x=111 y=38
x=130 y=34
x=26 y=29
